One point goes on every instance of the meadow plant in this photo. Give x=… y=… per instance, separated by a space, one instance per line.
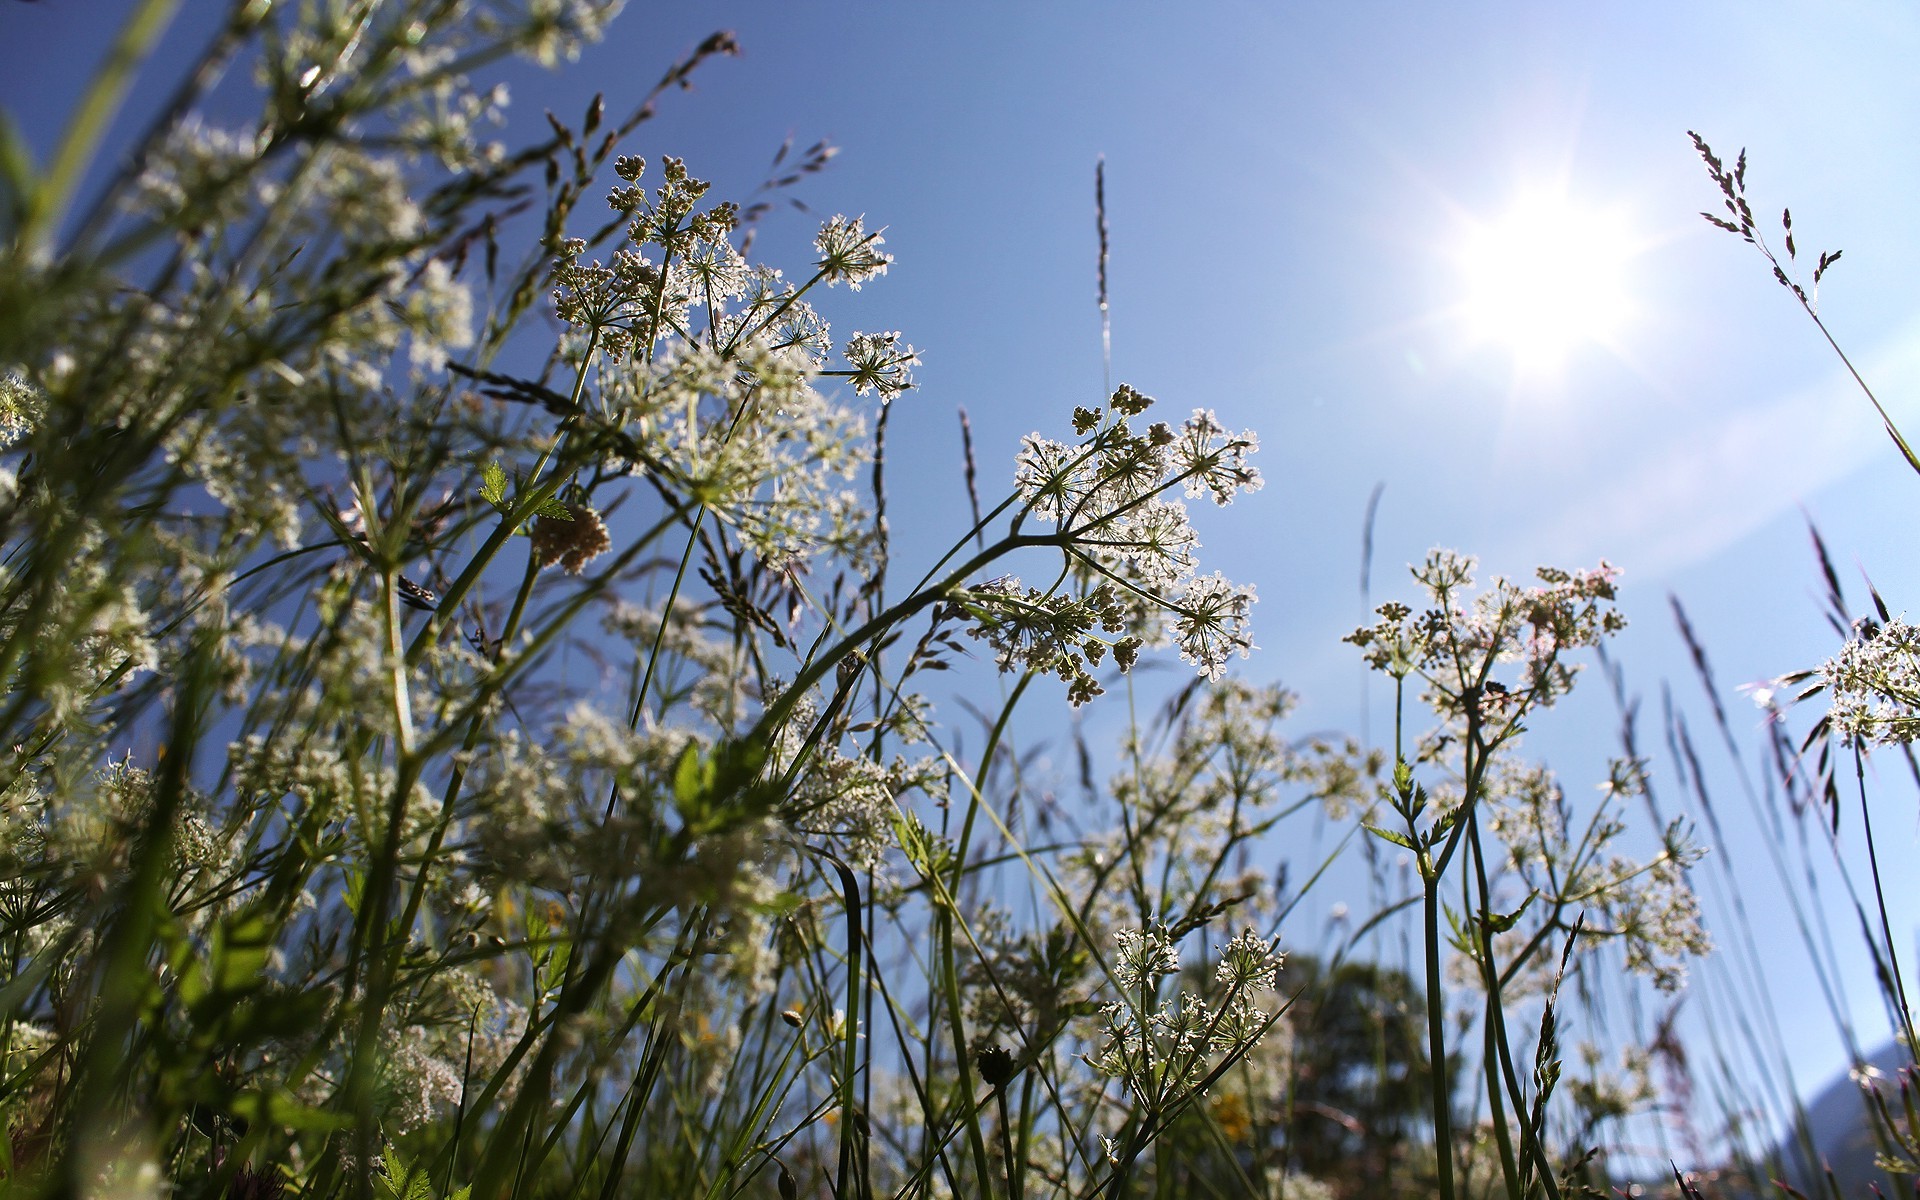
x=1870 y=695
x=319 y=851
x=463 y=734
x=1487 y=661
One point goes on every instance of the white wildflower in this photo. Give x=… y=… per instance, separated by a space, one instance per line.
x=439 y=316
x=1211 y=623
x=881 y=363
x=1141 y=957
x=848 y=253
x=1874 y=684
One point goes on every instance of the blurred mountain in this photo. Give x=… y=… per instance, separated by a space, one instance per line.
x=1841 y=1136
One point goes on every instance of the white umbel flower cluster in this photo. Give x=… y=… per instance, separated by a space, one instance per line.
x=1165 y=1047
x=1874 y=684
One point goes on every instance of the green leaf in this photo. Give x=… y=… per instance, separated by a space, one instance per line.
x=551 y=507
x=1398 y=839
x=241 y=945
x=397 y=1180
x=1501 y=922
x=692 y=776
x=1402 y=776
x=279 y=1108
x=17 y=179
x=276 y=1015
x=493 y=485
x=927 y=852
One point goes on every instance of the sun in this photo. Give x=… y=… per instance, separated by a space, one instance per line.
x=1545 y=279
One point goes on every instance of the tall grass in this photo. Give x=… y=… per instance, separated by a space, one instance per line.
x=466 y=732
x=1798 y=789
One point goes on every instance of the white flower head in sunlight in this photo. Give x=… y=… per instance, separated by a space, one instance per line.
x=1545 y=278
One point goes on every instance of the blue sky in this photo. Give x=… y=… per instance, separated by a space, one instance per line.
x=1289 y=189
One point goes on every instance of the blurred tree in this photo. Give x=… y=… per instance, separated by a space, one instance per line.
x=1361 y=1081
x=1336 y=1108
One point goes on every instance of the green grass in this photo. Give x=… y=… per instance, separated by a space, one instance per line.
x=465 y=732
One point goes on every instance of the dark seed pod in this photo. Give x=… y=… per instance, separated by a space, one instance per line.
x=996 y=1066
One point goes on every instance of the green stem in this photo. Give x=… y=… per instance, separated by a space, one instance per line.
x=778 y=712
x=666 y=614
x=54 y=197
x=1006 y=1146
x=1494 y=1029
x=1437 y=1044
x=535 y=494
x=950 y=992
x=949 y=979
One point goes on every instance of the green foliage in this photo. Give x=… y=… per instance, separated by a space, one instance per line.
x=493 y=489
x=396 y=1179
x=324 y=865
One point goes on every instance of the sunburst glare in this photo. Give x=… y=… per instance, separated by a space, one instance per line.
x=1544 y=279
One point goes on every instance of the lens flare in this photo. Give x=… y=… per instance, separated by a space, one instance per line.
x=1545 y=279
